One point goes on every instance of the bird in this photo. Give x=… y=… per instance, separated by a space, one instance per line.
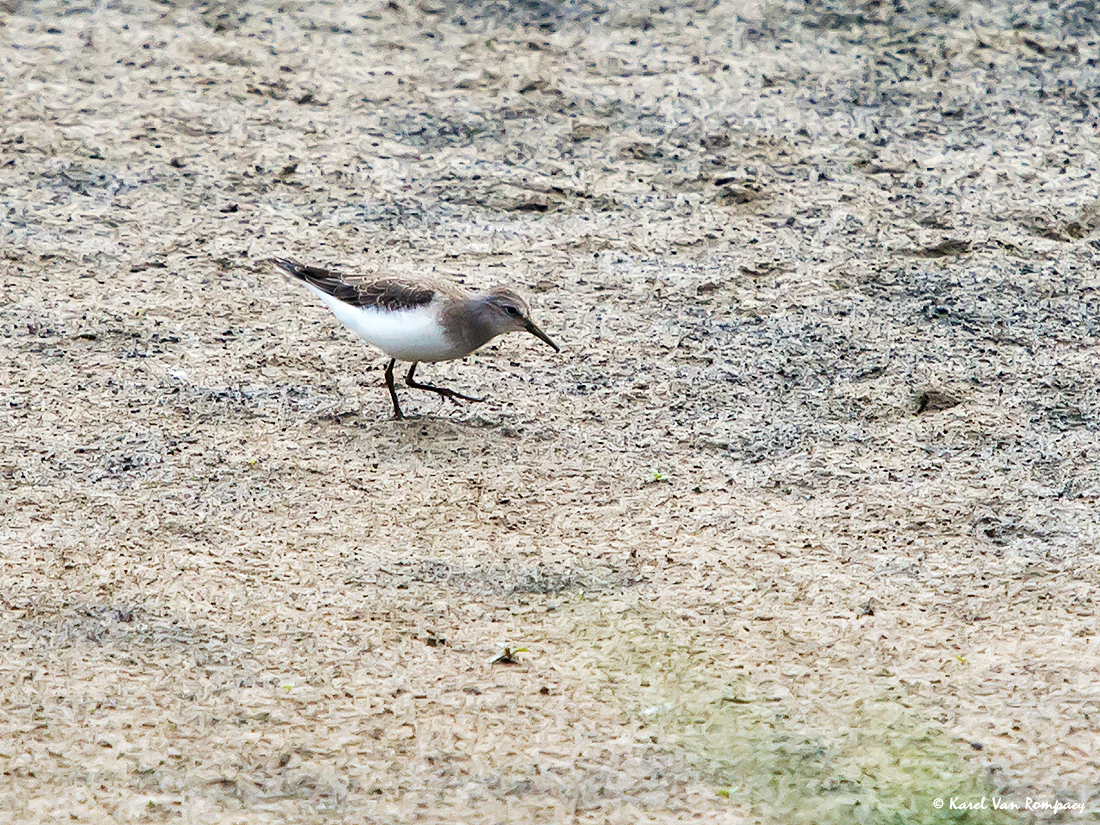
x=417 y=319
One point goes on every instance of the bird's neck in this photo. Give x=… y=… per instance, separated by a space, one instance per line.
x=470 y=321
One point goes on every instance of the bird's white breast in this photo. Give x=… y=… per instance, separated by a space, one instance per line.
x=407 y=335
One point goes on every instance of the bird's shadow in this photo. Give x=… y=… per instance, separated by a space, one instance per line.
x=356 y=419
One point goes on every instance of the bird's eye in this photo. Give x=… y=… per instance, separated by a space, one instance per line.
x=511 y=310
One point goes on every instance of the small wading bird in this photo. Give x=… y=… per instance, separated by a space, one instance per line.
x=415 y=319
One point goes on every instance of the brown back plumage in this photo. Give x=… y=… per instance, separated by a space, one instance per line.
x=375 y=292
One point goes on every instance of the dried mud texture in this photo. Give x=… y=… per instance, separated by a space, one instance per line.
x=800 y=527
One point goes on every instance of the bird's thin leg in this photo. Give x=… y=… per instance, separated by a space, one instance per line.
x=393 y=393
x=446 y=393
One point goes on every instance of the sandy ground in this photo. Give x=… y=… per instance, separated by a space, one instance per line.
x=800 y=527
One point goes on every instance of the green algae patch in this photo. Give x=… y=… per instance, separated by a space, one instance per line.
x=784 y=742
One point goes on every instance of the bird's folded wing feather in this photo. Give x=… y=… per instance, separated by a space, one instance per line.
x=368 y=291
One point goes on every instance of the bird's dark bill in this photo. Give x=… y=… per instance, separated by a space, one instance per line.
x=538 y=333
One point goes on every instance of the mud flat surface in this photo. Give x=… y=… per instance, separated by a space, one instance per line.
x=800 y=527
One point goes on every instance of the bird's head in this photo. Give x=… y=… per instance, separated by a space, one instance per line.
x=507 y=312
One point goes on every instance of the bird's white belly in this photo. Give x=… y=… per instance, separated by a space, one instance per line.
x=407 y=334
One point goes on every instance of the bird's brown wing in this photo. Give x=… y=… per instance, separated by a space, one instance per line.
x=364 y=291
